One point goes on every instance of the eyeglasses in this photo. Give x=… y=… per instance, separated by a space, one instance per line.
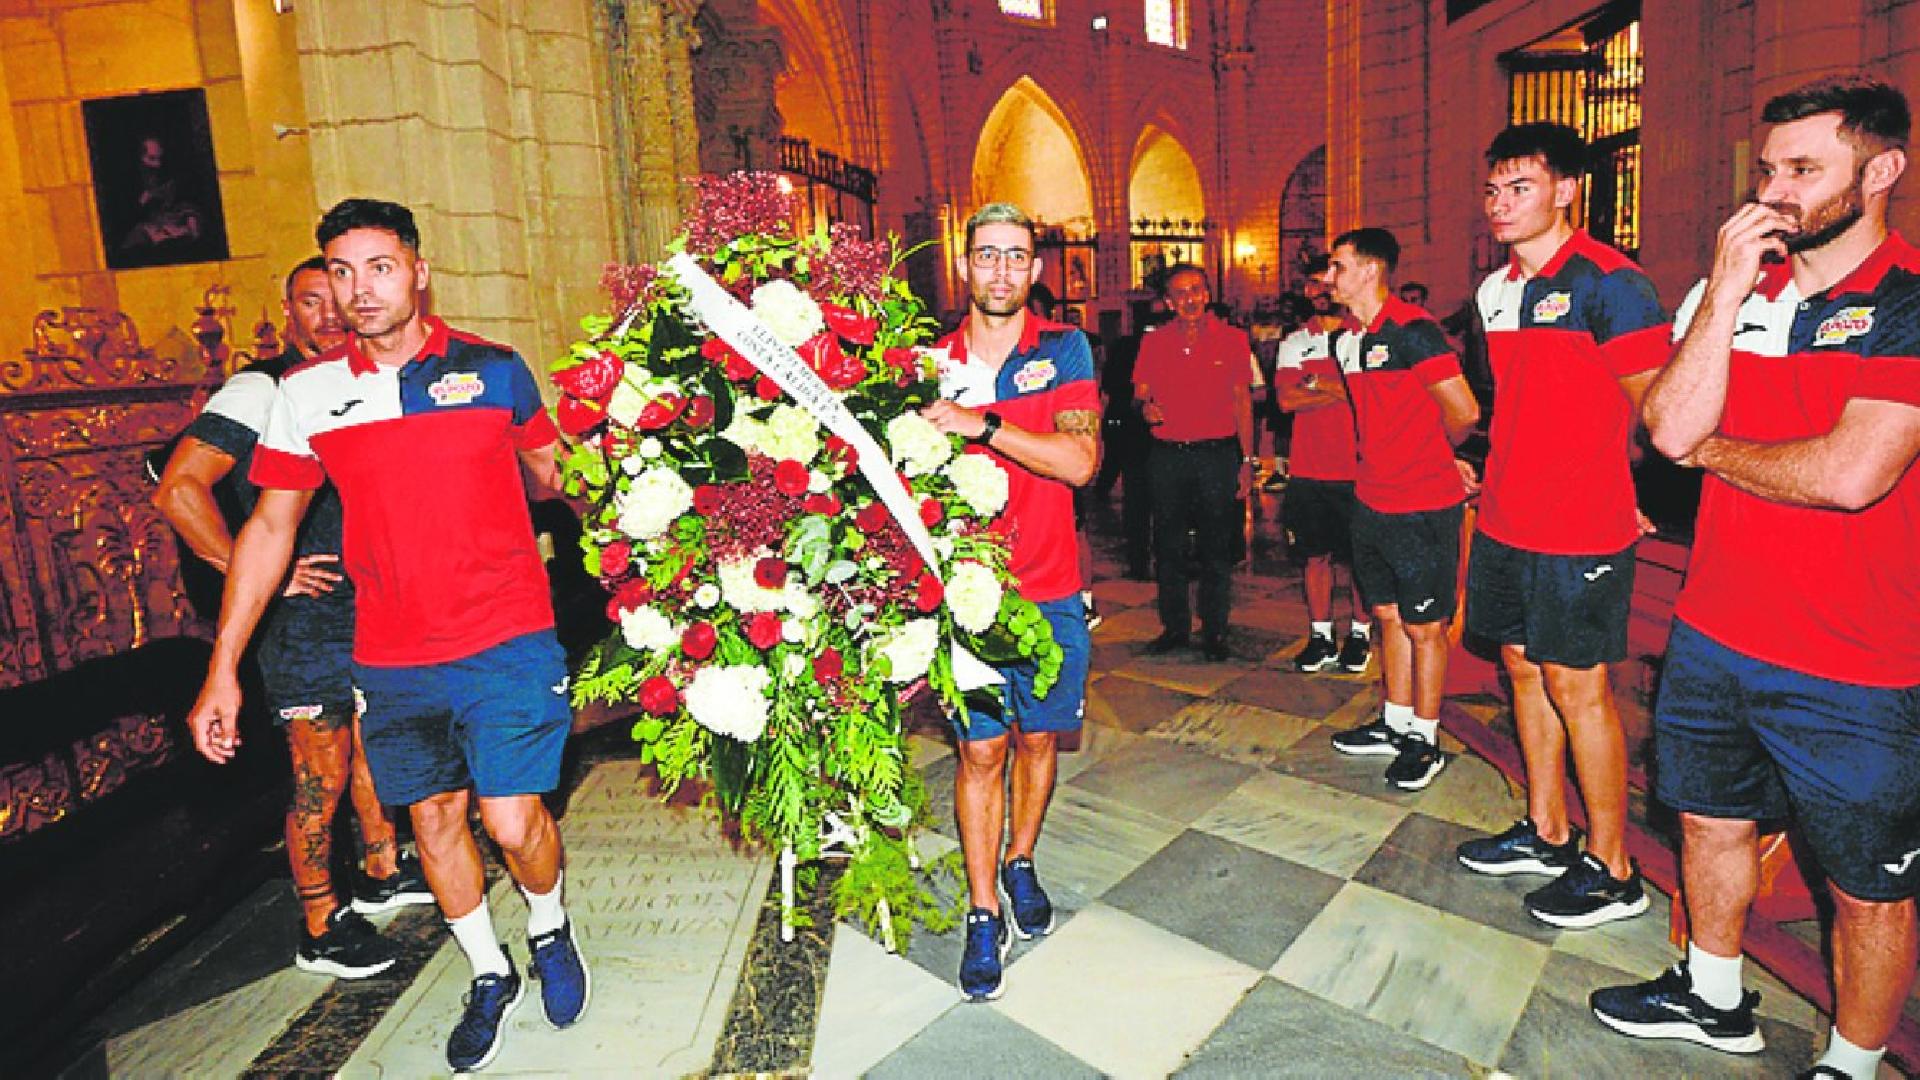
x=986 y=258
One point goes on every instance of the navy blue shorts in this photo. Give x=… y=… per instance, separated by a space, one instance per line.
x=305 y=653
x=1569 y=610
x=1735 y=737
x=497 y=720
x=1409 y=560
x=1064 y=705
x=1319 y=518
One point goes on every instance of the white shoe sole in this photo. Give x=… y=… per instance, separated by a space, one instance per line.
x=1000 y=987
x=1518 y=866
x=338 y=970
x=1369 y=750
x=394 y=903
x=1610 y=913
x=1324 y=665
x=1687 y=1032
x=499 y=1035
x=1013 y=921
x=1421 y=781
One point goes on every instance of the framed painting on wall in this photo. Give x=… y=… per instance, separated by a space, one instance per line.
x=156 y=186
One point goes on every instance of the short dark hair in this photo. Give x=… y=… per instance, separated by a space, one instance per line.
x=999 y=213
x=1177 y=269
x=1374 y=243
x=1560 y=147
x=1413 y=286
x=316 y=263
x=1317 y=265
x=350 y=214
x=1873 y=114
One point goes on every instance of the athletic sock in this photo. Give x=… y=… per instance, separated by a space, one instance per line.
x=544 y=913
x=1359 y=629
x=1323 y=629
x=1850 y=1059
x=1426 y=729
x=1398 y=717
x=474 y=932
x=1715 y=978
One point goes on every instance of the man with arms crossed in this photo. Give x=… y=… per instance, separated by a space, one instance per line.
x=424 y=431
x=1574 y=334
x=304 y=650
x=1411 y=407
x=1792 y=682
x=1041 y=422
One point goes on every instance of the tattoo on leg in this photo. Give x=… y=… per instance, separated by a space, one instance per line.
x=332 y=720
x=309 y=792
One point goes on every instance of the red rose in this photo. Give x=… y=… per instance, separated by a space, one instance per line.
x=698 y=640
x=576 y=417
x=699 y=412
x=706 y=500
x=931 y=512
x=871 y=518
x=791 y=478
x=766 y=389
x=928 y=592
x=827 y=666
x=849 y=324
x=770 y=573
x=659 y=696
x=615 y=558
x=823 y=503
x=631 y=594
x=660 y=412
x=764 y=630
x=905 y=361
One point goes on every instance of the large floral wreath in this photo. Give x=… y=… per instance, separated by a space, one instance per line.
x=773 y=610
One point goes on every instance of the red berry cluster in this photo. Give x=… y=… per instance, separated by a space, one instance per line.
x=739 y=204
x=851 y=266
x=744 y=517
x=626 y=283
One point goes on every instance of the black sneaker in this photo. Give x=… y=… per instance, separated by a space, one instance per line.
x=1586 y=896
x=476 y=1038
x=1667 y=1008
x=1520 y=850
x=1372 y=737
x=350 y=949
x=1167 y=642
x=1317 y=655
x=1418 y=763
x=982 y=955
x=406 y=885
x=1215 y=650
x=1354 y=654
x=1032 y=911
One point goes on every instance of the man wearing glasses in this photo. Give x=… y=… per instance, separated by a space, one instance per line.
x=1191 y=382
x=1022 y=391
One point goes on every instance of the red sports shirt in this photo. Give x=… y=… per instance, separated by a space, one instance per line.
x=1406 y=461
x=1323 y=447
x=1194 y=384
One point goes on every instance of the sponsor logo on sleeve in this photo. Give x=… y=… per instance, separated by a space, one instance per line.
x=1552 y=306
x=1034 y=375
x=1843 y=325
x=456 y=388
x=1378 y=355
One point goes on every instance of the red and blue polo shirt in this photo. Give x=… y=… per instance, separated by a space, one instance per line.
x=1323 y=447
x=438 y=538
x=1557 y=478
x=1049 y=372
x=1194 y=382
x=1406 y=461
x=1829 y=593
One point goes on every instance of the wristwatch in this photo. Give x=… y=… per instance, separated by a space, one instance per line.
x=990 y=424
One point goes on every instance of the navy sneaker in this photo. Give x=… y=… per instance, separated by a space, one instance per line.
x=406 y=885
x=986 y=950
x=1418 y=763
x=1032 y=911
x=1667 y=1008
x=565 y=985
x=477 y=1037
x=1520 y=850
x=1586 y=896
x=1372 y=737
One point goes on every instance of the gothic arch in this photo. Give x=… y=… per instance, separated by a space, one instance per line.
x=1028 y=154
x=1163 y=181
x=817 y=96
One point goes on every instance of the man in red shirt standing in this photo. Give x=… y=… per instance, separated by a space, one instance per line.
x=1411 y=407
x=1191 y=382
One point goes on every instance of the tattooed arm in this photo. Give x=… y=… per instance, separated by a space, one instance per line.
x=1069 y=453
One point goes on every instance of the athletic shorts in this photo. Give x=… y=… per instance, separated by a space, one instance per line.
x=1569 y=610
x=305 y=653
x=1318 y=515
x=497 y=720
x=1411 y=560
x=1063 y=707
x=1735 y=737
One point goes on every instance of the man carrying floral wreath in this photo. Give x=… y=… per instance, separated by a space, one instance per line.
x=1028 y=399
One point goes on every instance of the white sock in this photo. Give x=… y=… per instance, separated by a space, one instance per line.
x=474 y=932
x=1323 y=629
x=1426 y=729
x=1398 y=717
x=1360 y=629
x=1715 y=978
x=1850 y=1059
x=544 y=913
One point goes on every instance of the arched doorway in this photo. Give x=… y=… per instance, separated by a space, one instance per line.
x=1303 y=218
x=1028 y=155
x=1166 y=205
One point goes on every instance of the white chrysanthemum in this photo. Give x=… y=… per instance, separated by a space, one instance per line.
x=798 y=599
x=916 y=445
x=650 y=505
x=793 y=631
x=789 y=312
x=744 y=432
x=707 y=595
x=973 y=595
x=909 y=649
x=817 y=482
x=632 y=466
x=651 y=448
x=743 y=593
x=981 y=482
x=730 y=701
x=625 y=405
x=645 y=628
x=789 y=432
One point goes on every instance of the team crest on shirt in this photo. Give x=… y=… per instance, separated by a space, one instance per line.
x=302 y=713
x=456 y=388
x=1846 y=323
x=1034 y=375
x=1552 y=306
x=1377 y=356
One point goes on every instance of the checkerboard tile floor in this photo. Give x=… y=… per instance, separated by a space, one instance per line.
x=1236 y=899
